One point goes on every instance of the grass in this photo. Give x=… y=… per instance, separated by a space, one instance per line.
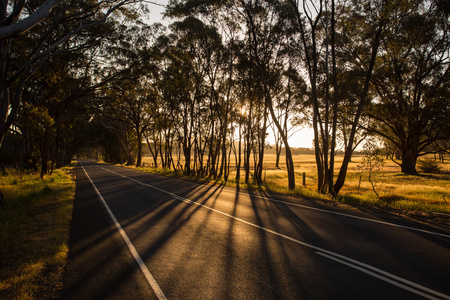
x=424 y=192
x=34 y=225
x=34 y=233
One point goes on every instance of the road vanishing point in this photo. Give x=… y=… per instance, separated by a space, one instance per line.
x=136 y=235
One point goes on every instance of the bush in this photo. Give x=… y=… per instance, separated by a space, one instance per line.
x=429 y=166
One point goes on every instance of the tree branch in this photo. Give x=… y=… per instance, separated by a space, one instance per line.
x=13 y=30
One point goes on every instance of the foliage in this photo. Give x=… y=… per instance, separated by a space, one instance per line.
x=32 y=33
x=429 y=165
x=411 y=82
x=372 y=162
x=205 y=90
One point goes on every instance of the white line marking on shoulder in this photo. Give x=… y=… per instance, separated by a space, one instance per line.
x=151 y=280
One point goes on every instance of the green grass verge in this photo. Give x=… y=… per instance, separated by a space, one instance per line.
x=34 y=233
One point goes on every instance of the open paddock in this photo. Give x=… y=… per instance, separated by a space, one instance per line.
x=423 y=192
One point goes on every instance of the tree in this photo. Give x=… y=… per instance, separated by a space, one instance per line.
x=261 y=54
x=321 y=33
x=264 y=65
x=290 y=101
x=33 y=33
x=51 y=25
x=412 y=82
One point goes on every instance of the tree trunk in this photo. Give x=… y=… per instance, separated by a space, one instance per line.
x=187 y=159
x=153 y=153
x=238 y=165
x=44 y=156
x=268 y=99
x=139 y=152
x=4 y=91
x=409 y=160
x=278 y=148
x=262 y=140
x=248 y=146
x=40 y=14
x=335 y=101
x=2 y=199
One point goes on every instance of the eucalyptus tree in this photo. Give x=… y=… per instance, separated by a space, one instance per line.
x=31 y=33
x=37 y=131
x=183 y=89
x=263 y=35
x=50 y=24
x=248 y=93
x=161 y=134
x=290 y=102
x=56 y=93
x=207 y=48
x=412 y=83
x=268 y=37
x=131 y=94
x=132 y=105
x=350 y=82
x=154 y=133
x=357 y=28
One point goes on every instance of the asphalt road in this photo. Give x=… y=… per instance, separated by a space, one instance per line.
x=142 y=236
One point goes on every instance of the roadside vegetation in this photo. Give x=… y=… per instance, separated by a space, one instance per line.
x=34 y=233
x=96 y=79
x=425 y=192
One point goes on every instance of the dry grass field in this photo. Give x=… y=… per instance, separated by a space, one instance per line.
x=424 y=192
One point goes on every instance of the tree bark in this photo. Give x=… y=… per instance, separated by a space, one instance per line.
x=139 y=151
x=409 y=157
x=14 y=29
x=238 y=165
x=2 y=199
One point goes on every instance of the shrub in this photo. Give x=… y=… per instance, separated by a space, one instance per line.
x=429 y=166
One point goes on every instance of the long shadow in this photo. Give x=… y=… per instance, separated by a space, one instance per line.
x=98 y=235
x=93 y=245
x=375 y=233
x=174 y=214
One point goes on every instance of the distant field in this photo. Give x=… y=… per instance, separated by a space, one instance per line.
x=425 y=192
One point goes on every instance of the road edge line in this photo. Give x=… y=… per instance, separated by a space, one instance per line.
x=150 y=279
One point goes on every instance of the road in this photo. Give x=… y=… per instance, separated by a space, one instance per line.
x=143 y=236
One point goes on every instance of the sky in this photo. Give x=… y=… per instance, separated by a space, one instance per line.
x=156 y=11
x=302 y=138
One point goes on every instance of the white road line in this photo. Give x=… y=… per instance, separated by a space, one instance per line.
x=151 y=280
x=380 y=277
x=368 y=269
x=317 y=209
x=362 y=218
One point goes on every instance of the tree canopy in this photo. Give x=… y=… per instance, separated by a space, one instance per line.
x=93 y=78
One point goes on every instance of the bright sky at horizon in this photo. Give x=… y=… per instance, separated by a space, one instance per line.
x=301 y=139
